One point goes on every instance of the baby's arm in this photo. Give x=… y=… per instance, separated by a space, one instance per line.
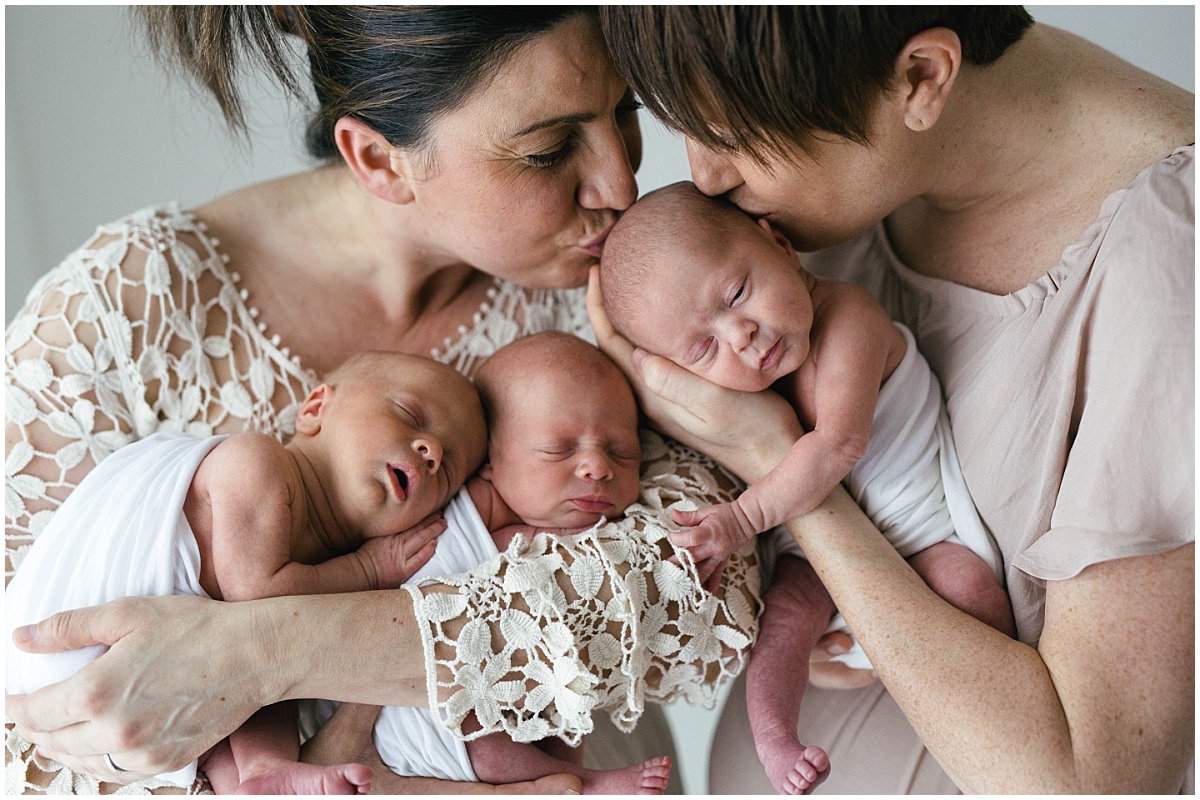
x=855 y=348
x=258 y=504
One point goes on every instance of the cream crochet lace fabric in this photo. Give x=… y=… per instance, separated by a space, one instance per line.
x=144 y=329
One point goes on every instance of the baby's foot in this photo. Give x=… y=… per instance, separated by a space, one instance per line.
x=792 y=767
x=649 y=777
x=297 y=778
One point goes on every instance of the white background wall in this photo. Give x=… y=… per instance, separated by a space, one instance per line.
x=94 y=130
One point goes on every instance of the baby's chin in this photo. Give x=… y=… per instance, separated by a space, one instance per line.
x=749 y=382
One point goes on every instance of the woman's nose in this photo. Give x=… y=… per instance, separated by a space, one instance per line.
x=430 y=450
x=712 y=173
x=593 y=466
x=608 y=180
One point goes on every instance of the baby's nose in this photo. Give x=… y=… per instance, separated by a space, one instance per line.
x=430 y=449
x=593 y=466
x=740 y=333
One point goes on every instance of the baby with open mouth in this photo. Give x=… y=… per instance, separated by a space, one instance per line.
x=346 y=505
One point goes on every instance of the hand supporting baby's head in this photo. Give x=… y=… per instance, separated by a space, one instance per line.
x=694 y=279
x=392 y=437
x=563 y=446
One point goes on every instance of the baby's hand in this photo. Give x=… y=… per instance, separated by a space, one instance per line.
x=396 y=558
x=713 y=534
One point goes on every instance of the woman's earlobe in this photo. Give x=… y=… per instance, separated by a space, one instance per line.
x=926 y=69
x=383 y=169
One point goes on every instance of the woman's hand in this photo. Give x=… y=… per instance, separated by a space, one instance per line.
x=347 y=737
x=139 y=702
x=747 y=432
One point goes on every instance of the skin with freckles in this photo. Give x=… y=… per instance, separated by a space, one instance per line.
x=384 y=248
x=980 y=179
x=726 y=298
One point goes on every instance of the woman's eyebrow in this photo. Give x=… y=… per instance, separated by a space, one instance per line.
x=565 y=119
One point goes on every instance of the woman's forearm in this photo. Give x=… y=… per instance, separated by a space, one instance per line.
x=362 y=647
x=998 y=715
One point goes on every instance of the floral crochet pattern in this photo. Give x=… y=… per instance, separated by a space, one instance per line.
x=145 y=328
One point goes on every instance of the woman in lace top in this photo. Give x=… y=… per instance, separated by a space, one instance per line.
x=455 y=210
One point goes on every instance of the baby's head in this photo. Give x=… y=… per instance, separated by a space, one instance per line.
x=695 y=279
x=392 y=437
x=563 y=446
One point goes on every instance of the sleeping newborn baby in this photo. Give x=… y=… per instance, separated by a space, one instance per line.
x=696 y=280
x=381 y=444
x=563 y=454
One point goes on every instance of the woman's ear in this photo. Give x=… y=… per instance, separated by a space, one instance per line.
x=308 y=418
x=381 y=167
x=925 y=72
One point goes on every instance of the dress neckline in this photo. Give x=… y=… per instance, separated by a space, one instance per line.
x=1038 y=290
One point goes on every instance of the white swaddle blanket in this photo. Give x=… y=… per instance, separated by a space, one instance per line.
x=121 y=533
x=909 y=483
x=409 y=740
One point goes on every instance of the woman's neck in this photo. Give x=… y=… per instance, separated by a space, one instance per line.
x=334 y=270
x=1023 y=155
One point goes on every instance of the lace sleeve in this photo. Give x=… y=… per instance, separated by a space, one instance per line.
x=139 y=330
x=65 y=409
x=598 y=621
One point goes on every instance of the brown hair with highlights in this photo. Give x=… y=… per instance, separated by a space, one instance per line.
x=771 y=77
x=395 y=68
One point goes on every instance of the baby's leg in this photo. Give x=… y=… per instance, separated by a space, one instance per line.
x=796 y=612
x=498 y=759
x=266 y=750
x=965 y=581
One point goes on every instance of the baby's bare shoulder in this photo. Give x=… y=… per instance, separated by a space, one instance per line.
x=249 y=462
x=838 y=305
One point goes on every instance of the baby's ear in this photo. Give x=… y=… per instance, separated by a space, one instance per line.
x=308 y=419
x=775 y=234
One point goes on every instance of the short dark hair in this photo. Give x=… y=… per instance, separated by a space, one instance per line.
x=772 y=76
x=395 y=68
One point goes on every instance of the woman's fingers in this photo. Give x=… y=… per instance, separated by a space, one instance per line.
x=828 y=674
x=614 y=344
x=551 y=784
x=835 y=675
x=155 y=700
x=69 y=630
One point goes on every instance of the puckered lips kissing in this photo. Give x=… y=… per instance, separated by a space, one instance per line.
x=594 y=243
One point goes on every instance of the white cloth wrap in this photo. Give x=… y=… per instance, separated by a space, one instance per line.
x=409 y=740
x=909 y=483
x=121 y=533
